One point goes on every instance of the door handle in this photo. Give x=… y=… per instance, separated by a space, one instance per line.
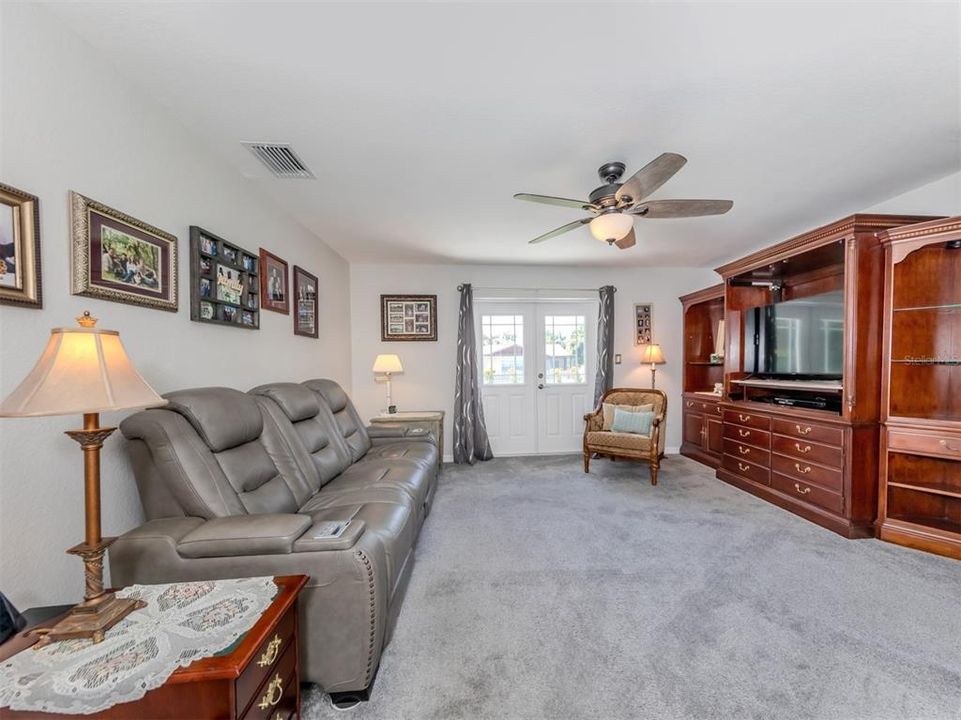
x=540 y=386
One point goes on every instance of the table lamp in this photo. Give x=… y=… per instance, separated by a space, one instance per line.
x=85 y=370
x=388 y=365
x=652 y=354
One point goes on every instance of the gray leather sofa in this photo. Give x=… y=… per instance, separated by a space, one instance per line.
x=238 y=484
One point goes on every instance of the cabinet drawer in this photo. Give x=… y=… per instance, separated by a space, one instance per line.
x=757 y=473
x=748 y=436
x=941 y=444
x=702 y=406
x=809 y=451
x=830 y=478
x=277 y=695
x=747 y=419
x=747 y=453
x=814 y=494
x=809 y=431
x=267 y=658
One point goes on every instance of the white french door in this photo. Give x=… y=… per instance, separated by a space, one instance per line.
x=537 y=363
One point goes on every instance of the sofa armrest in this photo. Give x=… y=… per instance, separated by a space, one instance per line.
x=384 y=433
x=263 y=534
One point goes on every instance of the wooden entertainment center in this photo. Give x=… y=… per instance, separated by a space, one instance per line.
x=821 y=464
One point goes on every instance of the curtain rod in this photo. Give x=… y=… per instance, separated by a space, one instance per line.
x=529 y=289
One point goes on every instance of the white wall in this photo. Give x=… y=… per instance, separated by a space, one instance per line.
x=69 y=123
x=428 y=379
x=941 y=197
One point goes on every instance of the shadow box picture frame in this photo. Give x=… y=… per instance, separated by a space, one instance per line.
x=274 y=287
x=117 y=257
x=643 y=323
x=408 y=318
x=224 y=282
x=20 y=278
x=306 y=291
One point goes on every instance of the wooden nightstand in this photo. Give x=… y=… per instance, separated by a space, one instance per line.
x=430 y=420
x=257 y=678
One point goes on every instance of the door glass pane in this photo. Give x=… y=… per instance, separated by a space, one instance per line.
x=502 y=349
x=564 y=351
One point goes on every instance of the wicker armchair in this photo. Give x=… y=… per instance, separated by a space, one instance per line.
x=627 y=445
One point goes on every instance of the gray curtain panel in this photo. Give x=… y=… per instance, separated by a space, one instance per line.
x=604 y=380
x=470 y=432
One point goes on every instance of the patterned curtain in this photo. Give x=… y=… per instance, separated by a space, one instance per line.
x=604 y=380
x=470 y=432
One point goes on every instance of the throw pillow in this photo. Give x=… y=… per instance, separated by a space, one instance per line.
x=608 y=411
x=636 y=423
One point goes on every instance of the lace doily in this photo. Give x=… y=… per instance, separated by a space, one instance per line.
x=181 y=623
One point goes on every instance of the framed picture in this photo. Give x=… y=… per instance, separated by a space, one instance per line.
x=223 y=279
x=643 y=324
x=117 y=257
x=408 y=317
x=305 y=299
x=273 y=283
x=19 y=248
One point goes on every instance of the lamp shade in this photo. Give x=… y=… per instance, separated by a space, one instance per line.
x=388 y=364
x=82 y=370
x=652 y=354
x=611 y=227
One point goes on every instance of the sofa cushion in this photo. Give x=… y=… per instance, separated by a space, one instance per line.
x=296 y=404
x=419 y=451
x=351 y=427
x=223 y=417
x=618 y=441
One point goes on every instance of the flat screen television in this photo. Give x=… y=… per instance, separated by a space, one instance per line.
x=799 y=339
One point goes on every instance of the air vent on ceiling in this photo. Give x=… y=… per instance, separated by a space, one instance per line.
x=279 y=159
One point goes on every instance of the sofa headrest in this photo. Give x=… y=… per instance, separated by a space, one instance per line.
x=297 y=402
x=331 y=392
x=223 y=417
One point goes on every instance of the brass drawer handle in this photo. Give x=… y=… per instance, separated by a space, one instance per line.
x=803 y=431
x=804 y=471
x=271 y=653
x=948 y=446
x=717 y=409
x=743 y=418
x=806 y=449
x=690 y=403
x=744 y=433
x=269 y=699
x=742 y=467
x=743 y=450
x=802 y=491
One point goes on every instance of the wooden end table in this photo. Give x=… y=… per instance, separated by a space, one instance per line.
x=256 y=678
x=430 y=420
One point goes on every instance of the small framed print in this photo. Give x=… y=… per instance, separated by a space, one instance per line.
x=273 y=283
x=305 y=303
x=116 y=257
x=19 y=248
x=643 y=324
x=408 y=317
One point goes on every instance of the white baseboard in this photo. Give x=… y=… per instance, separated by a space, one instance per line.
x=450 y=458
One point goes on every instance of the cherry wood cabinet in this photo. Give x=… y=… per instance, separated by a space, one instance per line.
x=823 y=464
x=920 y=503
x=702 y=436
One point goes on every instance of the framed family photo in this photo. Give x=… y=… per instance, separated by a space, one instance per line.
x=305 y=299
x=273 y=283
x=19 y=248
x=408 y=317
x=117 y=257
x=643 y=324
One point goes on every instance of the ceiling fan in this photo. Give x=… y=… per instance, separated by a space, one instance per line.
x=614 y=205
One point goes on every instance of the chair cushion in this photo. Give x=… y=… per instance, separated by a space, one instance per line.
x=223 y=417
x=608 y=410
x=638 y=423
x=618 y=441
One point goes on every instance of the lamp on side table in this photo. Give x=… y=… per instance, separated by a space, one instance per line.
x=85 y=370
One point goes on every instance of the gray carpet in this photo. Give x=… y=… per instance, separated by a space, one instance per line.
x=541 y=592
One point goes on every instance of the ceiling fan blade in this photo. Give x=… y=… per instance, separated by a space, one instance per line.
x=681 y=208
x=550 y=200
x=627 y=241
x=650 y=177
x=560 y=231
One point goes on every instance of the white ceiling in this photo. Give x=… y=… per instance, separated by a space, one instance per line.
x=421 y=121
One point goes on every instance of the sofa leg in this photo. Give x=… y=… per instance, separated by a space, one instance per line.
x=654 y=469
x=587 y=462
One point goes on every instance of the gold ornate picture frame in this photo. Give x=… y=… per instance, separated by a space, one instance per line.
x=117 y=257
x=20 y=278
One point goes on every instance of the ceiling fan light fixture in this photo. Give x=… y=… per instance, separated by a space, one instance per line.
x=611 y=227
